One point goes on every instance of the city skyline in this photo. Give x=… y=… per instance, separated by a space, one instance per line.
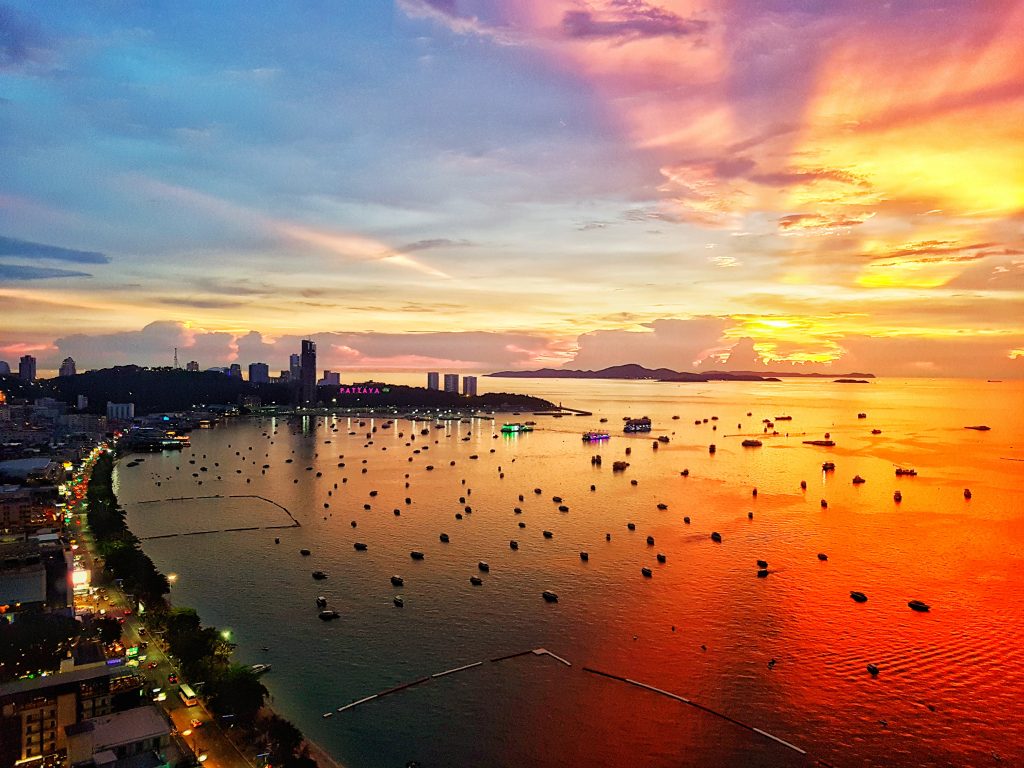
x=664 y=183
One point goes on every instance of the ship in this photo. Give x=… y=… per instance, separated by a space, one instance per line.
x=515 y=428
x=637 y=425
x=594 y=436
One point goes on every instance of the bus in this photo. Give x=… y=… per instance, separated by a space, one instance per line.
x=187 y=695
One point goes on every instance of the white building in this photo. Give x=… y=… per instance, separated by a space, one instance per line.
x=469 y=386
x=120 y=411
x=433 y=380
x=451 y=382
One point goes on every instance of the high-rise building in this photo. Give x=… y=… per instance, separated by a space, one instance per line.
x=5 y=368
x=307 y=372
x=82 y=402
x=331 y=379
x=433 y=380
x=27 y=368
x=285 y=377
x=469 y=386
x=67 y=368
x=294 y=366
x=235 y=371
x=192 y=366
x=120 y=411
x=451 y=382
x=259 y=373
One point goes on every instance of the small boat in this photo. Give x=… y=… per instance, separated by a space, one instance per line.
x=476 y=581
x=550 y=596
x=783 y=418
x=619 y=466
x=762 y=563
x=513 y=544
x=716 y=536
x=897 y=496
x=873 y=670
x=825 y=443
x=828 y=466
x=647 y=572
x=967 y=493
x=822 y=556
x=321 y=602
x=319 y=575
x=416 y=555
x=859 y=597
x=483 y=566
x=686 y=519
x=548 y=534
x=444 y=538
x=398 y=600
x=751 y=443
x=328 y=615
x=277 y=539
x=918 y=605
x=980 y=427
x=876 y=431
x=359 y=546
x=604 y=421
x=631 y=526
x=662 y=438
x=397 y=581
x=661 y=557
x=862 y=415
x=901 y=472
x=857 y=480
x=650 y=541
x=762 y=573
x=663 y=507
x=259 y=669
x=305 y=552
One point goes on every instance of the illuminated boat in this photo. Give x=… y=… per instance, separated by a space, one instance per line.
x=594 y=436
x=515 y=428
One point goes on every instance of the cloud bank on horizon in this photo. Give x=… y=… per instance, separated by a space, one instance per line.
x=672 y=183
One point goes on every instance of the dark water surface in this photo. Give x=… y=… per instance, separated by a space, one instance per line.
x=950 y=690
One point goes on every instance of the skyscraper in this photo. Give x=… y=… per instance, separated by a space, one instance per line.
x=192 y=366
x=27 y=368
x=307 y=372
x=67 y=368
x=259 y=373
x=294 y=366
x=433 y=379
x=5 y=368
x=469 y=386
x=451 y=382
x=235 y=371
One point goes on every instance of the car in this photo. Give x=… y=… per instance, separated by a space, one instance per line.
x=195 y=722
x=127 y=612
x=172 y=678
x=142 y=631
x=151 y=665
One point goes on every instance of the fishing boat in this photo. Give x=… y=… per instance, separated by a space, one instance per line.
x=550 y=596
x=859 y=597
x=319 y=575
x=476 y=581
x=920 y=606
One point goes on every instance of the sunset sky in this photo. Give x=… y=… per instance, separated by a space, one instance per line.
x=485 y=184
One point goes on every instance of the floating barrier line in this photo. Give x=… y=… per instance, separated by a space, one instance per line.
x=456 y=669
x=511 y=656
x=659 y=690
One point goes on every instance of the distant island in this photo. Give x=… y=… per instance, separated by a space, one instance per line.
x=852 y=381
x=639 y=372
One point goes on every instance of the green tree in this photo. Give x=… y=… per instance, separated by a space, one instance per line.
x=237 y=691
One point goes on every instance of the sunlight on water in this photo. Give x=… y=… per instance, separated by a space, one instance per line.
x=704 y=625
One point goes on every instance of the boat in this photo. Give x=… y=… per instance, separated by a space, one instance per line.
x=530 y=423
x=980 y=427
x=650 y=541
x=397 y=581
x=862 y=415
x=967 y=493
x=662 y=506
x=619 y=466
x=897 y=496
x=876 y=431
x=637 y=425
x=416 y=555
x=513 y=544
x=828 y=466
x=901 y=472
x=476 y=581
x=483 y=566
x=918 y=605
x=647 y=572
x=824 y=443
x=515 y=429
x=327 y=615
x=783 y=418
x=762 y=563
x=751 y=443
x=822 y=556
x=548 y=534
x=662 y=438
x=398 y=600
x=716 y=536
x=873 y=669
x=584 y=556
x=661 y=557
x=604 y=421
x=305 y=552
x=259 y=669
x=321 y=602
x=359 y=546
x=859 y=597
x=444 y=538
x=590 y=437
x=857 y=480
x=550 y=596
x=319 y=575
